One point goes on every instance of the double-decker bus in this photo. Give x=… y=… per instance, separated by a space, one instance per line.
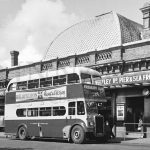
x=56 y=104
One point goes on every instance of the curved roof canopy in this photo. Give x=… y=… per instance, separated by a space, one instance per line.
x=98 y=33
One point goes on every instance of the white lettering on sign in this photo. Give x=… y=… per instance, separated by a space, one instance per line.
x=59 y=92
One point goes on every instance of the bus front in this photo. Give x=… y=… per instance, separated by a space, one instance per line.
x=94 y=101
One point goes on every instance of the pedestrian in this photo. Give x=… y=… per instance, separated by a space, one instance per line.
x=111 y=125
x=140 y=126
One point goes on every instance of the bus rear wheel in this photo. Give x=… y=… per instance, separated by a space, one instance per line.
x=78 y=135
x=22 y=133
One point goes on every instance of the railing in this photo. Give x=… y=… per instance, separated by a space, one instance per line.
x=142 y=132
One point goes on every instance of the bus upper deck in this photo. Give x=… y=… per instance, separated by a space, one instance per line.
x=69 y=75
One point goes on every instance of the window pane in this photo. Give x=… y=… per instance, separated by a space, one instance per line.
x=45 y=111
x=86 y=78
x=80 y=108
x=59 y=80
x=33 y=84
x=59 y=111
x=13 y=87
x=21 y=112
x=71 y=108
x=73 y=78
x=32 y=112
x=44 y=82
x=22 y=85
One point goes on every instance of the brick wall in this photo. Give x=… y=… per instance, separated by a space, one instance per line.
x=137 y=51
x=3 y=74
x=24 y=70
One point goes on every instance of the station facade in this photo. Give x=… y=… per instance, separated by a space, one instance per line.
x=113 y=45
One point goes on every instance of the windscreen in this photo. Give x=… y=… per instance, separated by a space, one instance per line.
x=94 y=92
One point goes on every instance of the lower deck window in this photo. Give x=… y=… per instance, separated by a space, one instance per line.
x=59 y=111
x=45 y=111
x=42 y=111
x=21 y=112
x=32 y=112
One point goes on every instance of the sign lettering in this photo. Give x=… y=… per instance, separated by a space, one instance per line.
x=51 y=93
x=125 y=79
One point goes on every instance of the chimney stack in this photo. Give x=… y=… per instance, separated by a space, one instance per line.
x=14 y=58
x=146 y=20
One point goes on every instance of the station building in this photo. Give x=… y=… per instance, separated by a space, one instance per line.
x=112 y=44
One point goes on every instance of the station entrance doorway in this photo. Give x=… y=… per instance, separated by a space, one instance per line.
x=134 y=110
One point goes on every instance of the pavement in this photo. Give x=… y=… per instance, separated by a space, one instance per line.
x=127 y=141
x=131 y=141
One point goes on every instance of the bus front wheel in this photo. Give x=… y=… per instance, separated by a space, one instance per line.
x=22 y=133
x=78 y=135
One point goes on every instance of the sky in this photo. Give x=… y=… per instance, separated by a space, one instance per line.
x=29 y=26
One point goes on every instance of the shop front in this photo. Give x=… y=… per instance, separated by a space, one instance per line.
x=130 y=100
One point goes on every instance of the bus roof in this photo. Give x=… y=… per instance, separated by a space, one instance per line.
x=67 y=70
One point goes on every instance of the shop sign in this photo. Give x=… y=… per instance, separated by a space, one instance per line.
x=120 y=112
x=125 y=79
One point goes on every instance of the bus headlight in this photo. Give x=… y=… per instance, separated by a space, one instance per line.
x=91 y=123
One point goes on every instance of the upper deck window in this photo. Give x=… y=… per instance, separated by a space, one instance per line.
x=73 y=78
x=86 y=78
x=33 y=84
x=95 y=78
x=45 y=82
x=22 y=85
x=12 y=87
x=59 y=80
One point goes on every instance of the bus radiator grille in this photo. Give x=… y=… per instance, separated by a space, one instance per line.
x=99 y=124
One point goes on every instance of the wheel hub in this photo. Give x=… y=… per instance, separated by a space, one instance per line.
x=77 y=134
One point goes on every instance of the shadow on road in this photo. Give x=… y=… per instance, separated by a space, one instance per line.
x=8 y=148
x=115 y=140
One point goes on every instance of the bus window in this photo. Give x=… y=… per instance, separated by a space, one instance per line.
x=80 y=108
x=45 y=111
x=59 y=80
x=33 y=84
x=73 y=78
x=21 y=112
x=12 y=87
x=44 y=82
x=86 y=78
x=95 y=78
x=22 y=85
x=59 y=111
x=32 y=112
x=71 y=108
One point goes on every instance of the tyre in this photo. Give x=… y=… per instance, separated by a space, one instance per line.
x=78 y=135
x=22 y=133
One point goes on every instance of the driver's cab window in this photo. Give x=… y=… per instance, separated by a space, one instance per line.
x=80 y=108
